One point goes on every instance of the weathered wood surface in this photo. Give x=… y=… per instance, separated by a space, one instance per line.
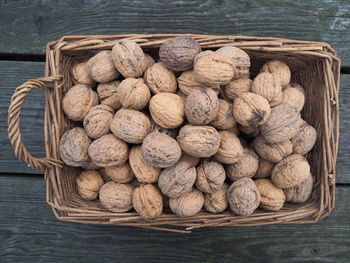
x=26 y=26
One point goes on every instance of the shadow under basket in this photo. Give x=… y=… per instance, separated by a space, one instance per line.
x=314 y=65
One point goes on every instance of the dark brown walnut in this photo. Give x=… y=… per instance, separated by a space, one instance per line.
x=133 y=93
x=98 y=120
x=250 y=132
x=178 y=53
x=160 y=150
x=177 y=179
x=224 y=118
x=283 y=124
x=188 y=204
x=188 y=82
x=294 y=96
x=78 y=101
x=216 y=202
x=131 y=126
x=160 y=79
x=147 y=201
x=279 y=69
x=116 y=197
x=201 y=106
x=301 y=192
x=81 y=75
x=107 y=94
x=108 y=150
x=143 y=171
x=119 y=174
x=210 y=176
x=230 y=150
x=199 y=141
x=305 y=140
x=157 y=128
x=251 y=110
x=273 y=152
x=74 y=146
x=246 y=166
x=236 y=87
x=88 y=184
x=129 y=58
x=243 y=197
x=271 y=197
x=101 y=67
x=264 y=169
x=269 y=87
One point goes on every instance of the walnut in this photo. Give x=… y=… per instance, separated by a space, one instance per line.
x=157 y=128
x=147 y=201
x=119 y=174
x=305 y=140
x=178 y=53
x=201 y=106
x=78 y=101
x=107 y=93
x=133 y=93
x=246 y=166
x=216 y=202
x=167 y=110
x=116 y=197
x=251 y=110
x=81 y=75
x=131 y=126
x=129 y=58
x=178 y=179
x=74 y=146
x=188 y=204
x=89 y=165
x=187 y=82
x=273 y=152
x=271 y=197
x=149 y=61
x=88 y=184
x=160 y=150
x=224 y=118
x=143 y=171
x=160 y=79
x=101 y=67
x=301 y=192
x=269 y=87
x=291 y=171
x=264 y=169
x=230 y=150
x=97 y=121
x=283 y=124
x=294 y=96
x=236 y=87
x=210 y=176
x=182 y=95
x=108 y=150
x=191 y=160
x=250 y=132
x=279 y=69
x=243 y=197
x=199 y=141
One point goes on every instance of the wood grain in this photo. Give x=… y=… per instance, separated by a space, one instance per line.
x=27 y=26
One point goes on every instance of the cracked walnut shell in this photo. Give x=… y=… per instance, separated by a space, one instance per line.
x=210 y=176
x=160 y=79
x=101 y=67
x=279 y=69
x=246 y=166
x=81 y=75
x=301 y=192
x=188 y=204
x=216 y=202
x=107 y=94
x=147 y=201
x=271 y=197
x=98 y=120
x=273 y=152
x=88 y=184
x=230 y=150
x=116 y=197
x=119 y=174
x=133 y=93
x=224 y=118
x=305 y=140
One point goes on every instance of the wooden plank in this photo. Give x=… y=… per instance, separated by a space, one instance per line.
x=30 y=232
x=27 y=26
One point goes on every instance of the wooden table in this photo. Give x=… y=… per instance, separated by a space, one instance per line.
x=29 y=230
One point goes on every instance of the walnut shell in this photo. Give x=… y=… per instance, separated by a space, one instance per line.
x=224 y=118
x=301 y=192
x=188 y=82
x=271 y=197
x=107 y=94
x=81 y=75
x=191 y=160
x=119 y=174
x=216 y=202
x=246 y=166
x=157 y=128
x=199 y=141
x=283 y=124
x=131 y=126
x=133 y=93
x=160 y=150
x=98 y=120
x=143 y=171
x=294 y=96
x=264 y=169
x=108 y=150
x=210 y=176
x=251 y=110
x=178 y=53
x=269 y=87
x=129 y=59
x=88 y=184
x=201 y=106
x=182 y=95
x=305 y=140
x=279 y=69
x=160 y=79
x=167 y=110
x=236 y=87
x=230 y=150
x=188 y=204
x=116 y=197
x=149 y=61
x=101 y=67
x=273 y=152
x=147 y=201
x=243 y=197
x=178 y=179
x=291 y=171
x=78 y=101
x=74 y=146
x=89 y=165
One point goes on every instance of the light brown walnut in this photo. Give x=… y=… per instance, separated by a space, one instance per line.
x=187 y=82
x=147 y=201
x=294 y=96
x=81 y=75
x=230 y=150
x=98 y=120
x=119 y=174
x=301 y=192
x=210 y=176
x=246 y=166
x=101 y=67
x=305 y=140
x=264 y=169
x=160 y=79
x=273 y=152
x=107 y=94
x=236 y=87
x=216 y=202
x=279 y=69
x=133 y=94
x=269 y=87
x=116 y=197
x=271 y=197
x=188 y=204
x=224 y=118
x=88 y=184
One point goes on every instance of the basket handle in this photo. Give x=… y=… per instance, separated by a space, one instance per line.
x=13 y=121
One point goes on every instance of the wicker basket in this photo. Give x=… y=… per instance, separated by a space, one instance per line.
x=314 y=65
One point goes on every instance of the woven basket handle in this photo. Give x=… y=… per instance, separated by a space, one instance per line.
x=13 y=121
